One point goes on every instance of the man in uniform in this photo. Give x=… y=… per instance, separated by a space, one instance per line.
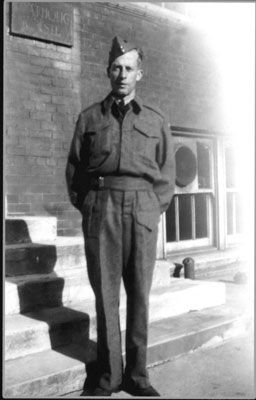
x=120 y=175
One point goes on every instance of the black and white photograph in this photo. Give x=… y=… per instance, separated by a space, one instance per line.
x=128 y=199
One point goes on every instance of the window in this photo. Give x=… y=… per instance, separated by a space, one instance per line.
x=233 y=198
x=189 y=218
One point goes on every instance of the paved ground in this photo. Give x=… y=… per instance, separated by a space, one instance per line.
x=222 y=370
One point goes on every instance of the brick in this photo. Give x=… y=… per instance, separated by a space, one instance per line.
x=47 y=188
x=17 y=112
x=62 y=117
x=40 y=134
x=15 y=92
x=14 y=179
x=58 y=207
x=14 y=189
x=39 y=80
x=68 y=127
x=53 y=197
x=16 y=160
x=42 y=61
x=56 y=91
x=30 y=198
x=69 y=92
x=38 y=209
x=12 y=198
x=61 y=162
x=71 y=109
x=50 y=126
x=41 y=161
x=42 y=45
x=41 y=115
x=25 y=125
x=39 y=151
x=60 y=100
x=62 y=49
x=17 y=208
x=14 y=142
x=76 y=68
x=67 y=224
x=49 y=72
x=50 y=107
x=61 y=82
x=66 y=146
x=17 y=150
x=16 y=56
x=54 y=55
x=67 y=232
x=40 y=97
x=41 y=106
x=62 y=65
x=28 y=68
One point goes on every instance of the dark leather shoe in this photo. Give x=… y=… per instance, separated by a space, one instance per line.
x=102 y=392
x=135 y=390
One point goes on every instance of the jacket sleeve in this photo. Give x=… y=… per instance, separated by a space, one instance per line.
x=76 y=171
x=164 y=187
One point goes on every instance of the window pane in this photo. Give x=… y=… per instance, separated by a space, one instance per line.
x=201 y=215
x=204 y=167
x=170 y=222
x=239 y=214
x=230 y=213
x=185 y=217
x=230 y=167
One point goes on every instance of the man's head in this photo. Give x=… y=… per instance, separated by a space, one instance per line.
x=125 y=67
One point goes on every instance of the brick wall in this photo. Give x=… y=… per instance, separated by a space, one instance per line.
x=47 y=85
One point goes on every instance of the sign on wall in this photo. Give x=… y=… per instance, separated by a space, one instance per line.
x=52 y=22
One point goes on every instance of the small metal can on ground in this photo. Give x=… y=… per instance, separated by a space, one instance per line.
x=189 y=267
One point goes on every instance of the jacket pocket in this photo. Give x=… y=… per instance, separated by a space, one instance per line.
x=145 y=139
x=99 y=143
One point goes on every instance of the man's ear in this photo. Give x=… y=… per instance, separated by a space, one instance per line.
x=139 y=75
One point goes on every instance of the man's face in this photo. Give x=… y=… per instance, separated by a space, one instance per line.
x=124 y=73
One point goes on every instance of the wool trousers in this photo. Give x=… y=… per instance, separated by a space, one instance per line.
x=120 y=230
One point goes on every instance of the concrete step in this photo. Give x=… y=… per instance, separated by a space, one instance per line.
x=47 y=328
x=66 y=284
x=62 y=371
x=30 y=292
x=28 y=229
x=209 y=262
x=56 y=255
x=64 y=254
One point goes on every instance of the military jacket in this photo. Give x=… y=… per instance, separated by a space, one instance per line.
x=140 y=145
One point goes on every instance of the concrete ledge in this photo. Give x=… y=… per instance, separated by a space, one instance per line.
x=58 y=256
x=46 y=328
x=185 y=295
x=59 y=372
x=208 y=262
x=30 y=292
x=30 y=229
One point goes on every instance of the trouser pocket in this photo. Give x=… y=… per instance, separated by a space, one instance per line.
x=93 y=213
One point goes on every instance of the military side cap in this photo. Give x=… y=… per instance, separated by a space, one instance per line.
x=119 y=47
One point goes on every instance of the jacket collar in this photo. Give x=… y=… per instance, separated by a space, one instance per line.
x=109 y=100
